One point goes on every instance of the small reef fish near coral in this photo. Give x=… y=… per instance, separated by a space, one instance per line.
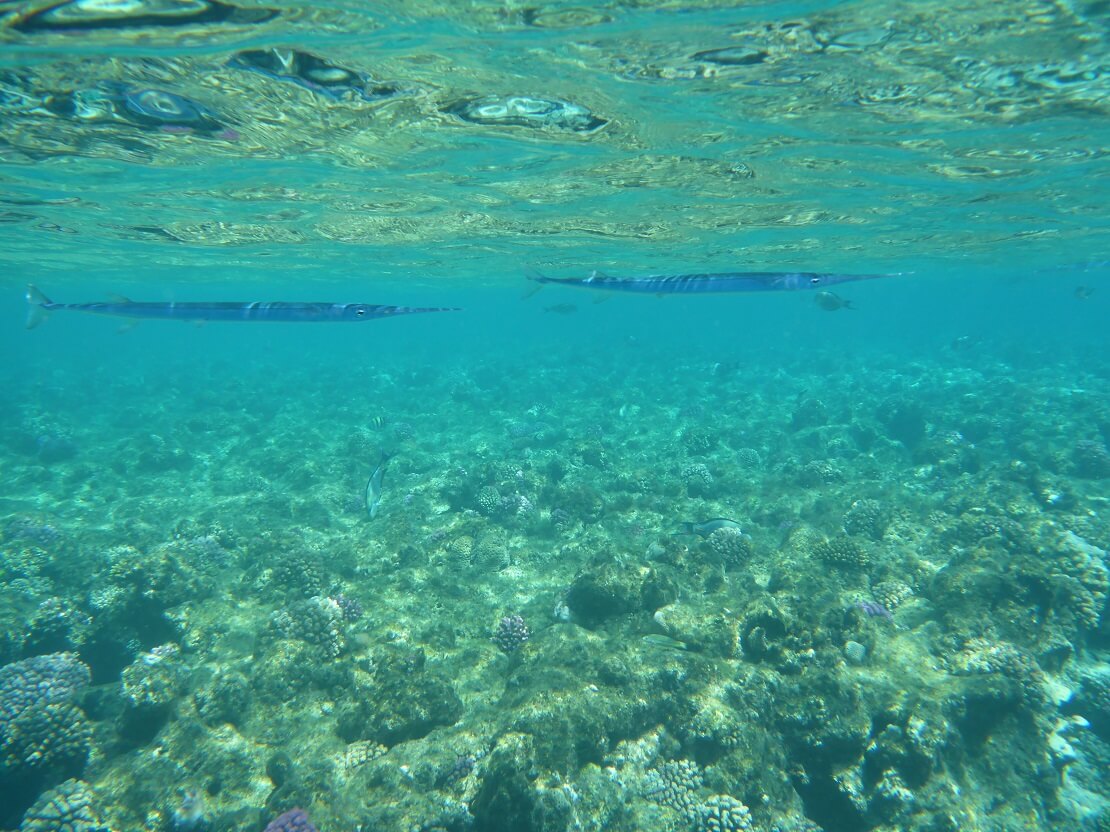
x=707 y=527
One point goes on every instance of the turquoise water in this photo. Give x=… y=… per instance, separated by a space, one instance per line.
x=903 y=627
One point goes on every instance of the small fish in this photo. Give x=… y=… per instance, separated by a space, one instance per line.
x=707 y=527
x=562 y=309
x=659 y=640
x=1084 y=292
x=525 y=430
x=374 y=487
x=964 y=342
x=379 y=422
x=39 y=305
x=672 y=284
x=1085 y=266
x=831 y=301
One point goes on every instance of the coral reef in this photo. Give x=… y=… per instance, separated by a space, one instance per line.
x=511 y=633
x=295 y=820
x=68 y=807
x=45 y=737
x=317 y=621
x=842 y=551
x=730 y=545
x=41 y=680
x=549 y=625
x=675 y=784
x=868 y=518
x=723 y=813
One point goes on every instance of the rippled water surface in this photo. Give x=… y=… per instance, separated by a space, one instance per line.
x=457 y=140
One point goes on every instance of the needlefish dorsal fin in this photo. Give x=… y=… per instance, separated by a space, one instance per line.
x=115 y=297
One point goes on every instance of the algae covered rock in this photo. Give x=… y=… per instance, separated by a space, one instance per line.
x=714 y=634
x=511 y=798
x=575 y=699
x=611 y=590
x=1092 y=701
x=903 y=419
x=150 y=685
x=406 y=701
x=227 y=698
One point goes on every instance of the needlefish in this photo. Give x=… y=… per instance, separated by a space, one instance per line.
x=277 y=311
x=692 y=284
x=374 y=486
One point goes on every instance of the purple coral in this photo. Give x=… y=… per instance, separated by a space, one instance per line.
x=511 y=633
x=295 y=820
x=50 y=679
x=352 y=609
x=873 y=609
x=31 y=531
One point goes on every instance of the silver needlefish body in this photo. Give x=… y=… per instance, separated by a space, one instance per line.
x=278 y=311
x=692 y=284
x=374 y=487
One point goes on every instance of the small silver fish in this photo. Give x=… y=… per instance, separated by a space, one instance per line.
x=831 y=301
x=374 y=487
x=707 y=527
x=666 y=642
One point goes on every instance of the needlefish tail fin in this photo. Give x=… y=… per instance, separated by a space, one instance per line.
x=535 y=277
x=533 y=274
x=37 y=303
